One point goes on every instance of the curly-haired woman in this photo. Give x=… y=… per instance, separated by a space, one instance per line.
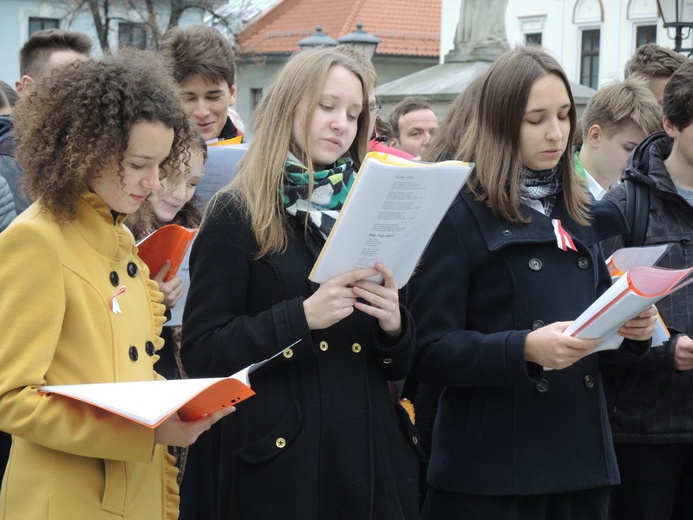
x=77 y=303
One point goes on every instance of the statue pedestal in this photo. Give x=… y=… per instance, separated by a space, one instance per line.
x=469 y=52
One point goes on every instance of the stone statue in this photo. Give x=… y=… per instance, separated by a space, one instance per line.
x=480 y=34
x=481 y=20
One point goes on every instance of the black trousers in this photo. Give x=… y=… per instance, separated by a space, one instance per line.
x=656 y=482
x=590 y=504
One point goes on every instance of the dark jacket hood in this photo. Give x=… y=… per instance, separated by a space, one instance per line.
x=5 y=127
x=646 y=164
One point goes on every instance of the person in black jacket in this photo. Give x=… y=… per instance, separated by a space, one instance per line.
x=521 y=430
x=650 y=403
x=323 y=437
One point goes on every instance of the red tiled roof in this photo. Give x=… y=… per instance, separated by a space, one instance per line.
x=405 y=27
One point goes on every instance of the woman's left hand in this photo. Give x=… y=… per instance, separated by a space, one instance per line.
x=383 y=301
x=641 y=327
x=173 y=289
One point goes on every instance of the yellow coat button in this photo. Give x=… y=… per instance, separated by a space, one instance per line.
x=324 y=346
x=280 y=442
x=288 y=353
x=356 y=348
x=387 y=361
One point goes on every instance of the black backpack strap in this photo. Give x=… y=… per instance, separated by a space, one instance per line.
x=637 y=212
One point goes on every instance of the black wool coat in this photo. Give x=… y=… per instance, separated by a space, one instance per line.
x=505 y=426
x=323 y=437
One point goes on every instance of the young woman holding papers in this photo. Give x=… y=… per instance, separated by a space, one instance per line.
x=77 y=303
x=516 y=257
x=323 y=436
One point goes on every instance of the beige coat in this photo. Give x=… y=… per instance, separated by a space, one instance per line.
x=71 y=461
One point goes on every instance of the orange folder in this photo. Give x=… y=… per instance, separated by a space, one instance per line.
x=169 y=242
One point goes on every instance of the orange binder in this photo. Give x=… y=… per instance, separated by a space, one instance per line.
x=152 y=402
x=169 y=242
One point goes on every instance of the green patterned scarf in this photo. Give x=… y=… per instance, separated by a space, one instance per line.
x=330 y=189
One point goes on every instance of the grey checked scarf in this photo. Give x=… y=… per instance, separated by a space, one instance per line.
x=542 y=186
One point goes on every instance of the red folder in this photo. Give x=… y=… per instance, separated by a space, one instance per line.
x=169 y=242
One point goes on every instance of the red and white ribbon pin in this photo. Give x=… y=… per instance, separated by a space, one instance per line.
x=114 y=303
x=562 y=237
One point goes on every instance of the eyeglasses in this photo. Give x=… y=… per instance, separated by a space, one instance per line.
x=375 y=107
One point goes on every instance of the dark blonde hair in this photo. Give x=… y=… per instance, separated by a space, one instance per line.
x=261 y=172
x=653 y=61
x=77 y=122
x=621 y=103
x=492 y=140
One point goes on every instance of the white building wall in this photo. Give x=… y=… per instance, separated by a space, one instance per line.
x=14 y=27
x=561 y=23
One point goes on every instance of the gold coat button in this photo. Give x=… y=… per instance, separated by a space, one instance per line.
x=356 y=348
x=387 y=361
x=324 y=346
x=280 y=442
x=288 y=353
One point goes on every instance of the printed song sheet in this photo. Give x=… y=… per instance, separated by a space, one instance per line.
x=390 y=214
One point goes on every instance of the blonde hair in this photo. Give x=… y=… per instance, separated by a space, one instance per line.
x=492 y=139
x=620 y=103
x=261 y=172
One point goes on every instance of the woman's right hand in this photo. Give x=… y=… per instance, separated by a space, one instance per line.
x=550 y=348
x=334 y=300
x=176 y=432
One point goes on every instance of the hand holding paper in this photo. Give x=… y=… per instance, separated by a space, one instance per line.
x=635 y=291
x=550 y=347
x=176 y=432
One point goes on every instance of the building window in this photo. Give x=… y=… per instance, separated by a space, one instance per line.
x=645 y=34
x=255 y=96
x=39 y=24
x=132 y=34
x=533 y=39
x=589 y=58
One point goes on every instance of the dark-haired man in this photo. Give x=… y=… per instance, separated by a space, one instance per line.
x=43 y=52
x=650 y=401
x=204 y=67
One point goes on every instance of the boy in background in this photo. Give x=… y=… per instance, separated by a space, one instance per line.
x=616 y=119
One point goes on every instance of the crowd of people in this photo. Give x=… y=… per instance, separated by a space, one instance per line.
x=512 y=418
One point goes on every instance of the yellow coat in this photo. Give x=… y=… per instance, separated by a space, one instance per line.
x=71 y=461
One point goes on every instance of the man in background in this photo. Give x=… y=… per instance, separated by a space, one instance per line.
x=413 y=124
x=43 y=52
x=204 y=66
x=655 y=64
x=650 y=401
x=616 y=119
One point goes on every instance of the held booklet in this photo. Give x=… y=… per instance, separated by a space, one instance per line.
x=632 y=293
x=169 y=242
x=152 y=402
x=390 y=215
x=624 y=259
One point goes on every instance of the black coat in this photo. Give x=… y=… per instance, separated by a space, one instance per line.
x=649 y=402
x=322 y=437
x=505 y=426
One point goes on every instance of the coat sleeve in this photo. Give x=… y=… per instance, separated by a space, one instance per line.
x=32 y=308
x=219 y=337
x=7 y=211
x=447 y=354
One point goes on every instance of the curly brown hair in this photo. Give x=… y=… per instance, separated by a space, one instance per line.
x=77 y=122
